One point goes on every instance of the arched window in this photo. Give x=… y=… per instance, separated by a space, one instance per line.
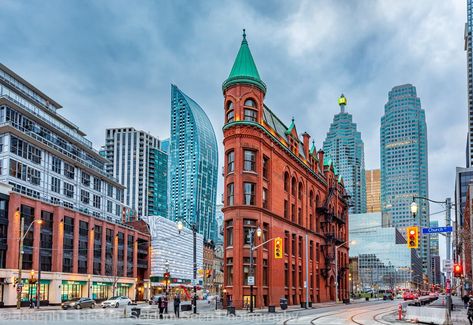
x=230 y=112
x=250 y=103
x=250 y=112
x=311 y=199
x=300 y=190
x=293 y=186
x=286 y=181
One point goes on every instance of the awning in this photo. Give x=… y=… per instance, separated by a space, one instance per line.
x=42 y=281
x=103 y=284
x=124 y=284
x=82 y=283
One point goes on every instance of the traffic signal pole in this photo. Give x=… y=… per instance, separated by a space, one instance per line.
x=448 y=207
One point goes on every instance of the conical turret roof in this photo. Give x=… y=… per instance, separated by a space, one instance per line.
x=244 y=69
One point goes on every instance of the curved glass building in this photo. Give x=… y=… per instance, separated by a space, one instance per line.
x=193 y=164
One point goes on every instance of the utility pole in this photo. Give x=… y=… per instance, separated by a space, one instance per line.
x=448 y=207
x=20 y=262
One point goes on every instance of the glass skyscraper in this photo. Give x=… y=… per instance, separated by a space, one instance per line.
x=404 y=167
x=384 y=261
x=193 y=164
x=469 y=60
x=343 y=145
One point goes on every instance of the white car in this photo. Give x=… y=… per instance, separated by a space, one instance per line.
x=116 y=302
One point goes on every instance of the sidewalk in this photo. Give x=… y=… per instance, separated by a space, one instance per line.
x=459 y=316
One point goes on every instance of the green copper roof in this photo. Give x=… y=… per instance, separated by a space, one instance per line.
x=289 y=129
x=312 y=149
x=244 y=69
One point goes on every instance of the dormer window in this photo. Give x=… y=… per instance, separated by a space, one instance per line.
x=230 y=112
x=250 y=113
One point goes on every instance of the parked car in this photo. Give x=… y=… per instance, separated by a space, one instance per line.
x=407 y=295
x=398 y=296
x=116 y=302
x=154 y=300
x=78 y=303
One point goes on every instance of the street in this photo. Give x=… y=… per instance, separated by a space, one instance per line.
x=367 y=313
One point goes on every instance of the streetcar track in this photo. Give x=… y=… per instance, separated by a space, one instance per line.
x=352 y=318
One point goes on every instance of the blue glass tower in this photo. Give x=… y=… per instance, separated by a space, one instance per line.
x=193 y=164
x=343 y=145
x=404 y=167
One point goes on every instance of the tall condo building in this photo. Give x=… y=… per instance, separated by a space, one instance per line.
x=404 y=167
x=137 y=161
x=50 y=172
x=373 y=190
x=343 y=145
x=193 y=164
x=469 y=60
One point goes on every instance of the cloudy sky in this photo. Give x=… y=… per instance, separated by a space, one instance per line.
x=111 y=63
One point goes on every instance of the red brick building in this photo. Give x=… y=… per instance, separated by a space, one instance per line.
x=80 y=255
x=276 y=182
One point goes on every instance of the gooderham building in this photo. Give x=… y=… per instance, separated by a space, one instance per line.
x=281 y=184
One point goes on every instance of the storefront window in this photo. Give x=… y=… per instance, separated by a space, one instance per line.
x=122 y=290
x=100 y=291
x=71 y=290
x=29 y=291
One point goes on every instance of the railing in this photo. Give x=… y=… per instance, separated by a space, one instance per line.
x=58 y=148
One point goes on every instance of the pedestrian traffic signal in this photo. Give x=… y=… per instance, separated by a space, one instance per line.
x=457 y=270
x=166 y=275
x=412 y=237
x=278 y=247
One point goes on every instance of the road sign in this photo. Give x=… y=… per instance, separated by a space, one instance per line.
x=447 y=265
x=251 y=280
x=18 y=289
x=436 y=230
x=20 y=285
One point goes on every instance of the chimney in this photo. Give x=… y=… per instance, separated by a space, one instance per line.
x=320 y=154
x=306 y=140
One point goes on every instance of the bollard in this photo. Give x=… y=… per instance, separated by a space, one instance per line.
x=399 y=311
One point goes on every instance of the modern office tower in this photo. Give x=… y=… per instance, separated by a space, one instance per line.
x=343 y=145
x=282 y=185
x=373 y=190
x=434 y=240
x=50 y=172
x=384 y=260
x=138 y=163
x=193 y=164
x=404 y=167
x=219 y=219
x=469 y=60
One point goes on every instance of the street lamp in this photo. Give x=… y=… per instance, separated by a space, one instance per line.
x=414 y=208
x=193 y=226
x=20 y=252
x=166 y=278
x=336 y=265
x=448 y=206
x=251 y=234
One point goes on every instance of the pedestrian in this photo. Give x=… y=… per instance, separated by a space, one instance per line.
x=470 y=312
x=161 y=307
x=177 y=303
x=466 y=299
x=165 y=303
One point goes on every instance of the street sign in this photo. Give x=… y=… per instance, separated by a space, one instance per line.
x=447 y=265
x=436 y=230
x=251 y=280
x=20 y=285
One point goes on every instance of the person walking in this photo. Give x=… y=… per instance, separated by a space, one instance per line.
x=466 y=299
x=177 y=303
x=470 y=312
x=161 y=307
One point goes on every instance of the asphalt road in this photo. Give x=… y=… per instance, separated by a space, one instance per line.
x=366 y=313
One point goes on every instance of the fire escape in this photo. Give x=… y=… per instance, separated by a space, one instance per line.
x=332 y=238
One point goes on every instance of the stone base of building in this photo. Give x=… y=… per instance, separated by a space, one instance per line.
x=57 y=287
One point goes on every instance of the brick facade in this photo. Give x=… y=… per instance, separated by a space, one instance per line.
x=294 y=196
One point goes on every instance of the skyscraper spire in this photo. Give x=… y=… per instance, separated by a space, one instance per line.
x=244 y=69
x=342 y=101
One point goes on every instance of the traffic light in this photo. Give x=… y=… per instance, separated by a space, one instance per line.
x=278 y=247
x=457 y=270
x=166 y=275
x=412 y=237
x=208 y=273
